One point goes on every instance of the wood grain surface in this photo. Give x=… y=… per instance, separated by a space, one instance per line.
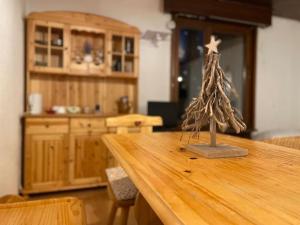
x=183 y=188
x=63 y=211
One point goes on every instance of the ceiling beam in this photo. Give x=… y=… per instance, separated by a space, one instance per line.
x=228 y=10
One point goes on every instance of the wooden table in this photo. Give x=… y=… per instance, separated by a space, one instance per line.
x=183 y=188
x=63 y=211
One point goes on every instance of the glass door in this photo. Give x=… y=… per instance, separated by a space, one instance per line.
x=232 y=61
x=237 y=61
x=191 y=56
x=123 y=60
x=49 y=47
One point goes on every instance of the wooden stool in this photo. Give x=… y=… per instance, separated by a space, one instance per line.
x=120 y=187
x=122 y=191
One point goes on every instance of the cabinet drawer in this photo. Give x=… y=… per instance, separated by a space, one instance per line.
x=46 y=126
x=86 y=124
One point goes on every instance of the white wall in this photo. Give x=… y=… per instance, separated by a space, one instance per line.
x=154 y=83
x=11 y=93
x=278 y=75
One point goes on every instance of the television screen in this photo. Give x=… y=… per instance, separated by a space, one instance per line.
x=167 y=110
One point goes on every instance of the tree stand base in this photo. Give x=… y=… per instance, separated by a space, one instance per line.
x=220 y=151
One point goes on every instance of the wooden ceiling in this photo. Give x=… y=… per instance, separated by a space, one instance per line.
x=287 y=8
x=283 y=8
x=254 y=12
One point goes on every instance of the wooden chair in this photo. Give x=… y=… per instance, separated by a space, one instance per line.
x=62 y=211
x=286 y=138
x=120 y=187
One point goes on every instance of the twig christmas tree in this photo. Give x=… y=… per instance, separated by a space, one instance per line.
x=212 y=105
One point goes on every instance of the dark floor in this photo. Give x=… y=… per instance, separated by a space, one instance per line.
x=97 y=205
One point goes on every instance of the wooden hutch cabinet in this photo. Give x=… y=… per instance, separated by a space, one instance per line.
x=74 y=59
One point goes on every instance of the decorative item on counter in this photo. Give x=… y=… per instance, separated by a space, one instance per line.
x=88 y=58
x=59 y=109
x=128 y=66
x=57 y=42
x=213 y=107
x=73 y=109
x=97 y=108
x=129 y=46
x=50 y=111
x=99 y=58
x=117 y=65
x=87 y=110
x=124 y=106
x=35 y=101
x=78 y=59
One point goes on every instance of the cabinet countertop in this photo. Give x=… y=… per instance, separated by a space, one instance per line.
x=68 y=115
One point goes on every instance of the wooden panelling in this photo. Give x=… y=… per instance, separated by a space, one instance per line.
x=88 y=158
x=64 y=153
x=82 y=91
x=46 y=161
x=229 y=10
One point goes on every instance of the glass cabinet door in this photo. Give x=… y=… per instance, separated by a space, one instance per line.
x=117 y=53
x=41 y=41
x=57 y=46
x=49 y=46
x=123 y=60
x=129 y=55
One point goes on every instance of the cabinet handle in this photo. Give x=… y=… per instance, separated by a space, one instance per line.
x=138 y=123
x=47 y=125
x=89 y=125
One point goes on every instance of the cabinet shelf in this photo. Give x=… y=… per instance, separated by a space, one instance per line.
x=41 y=46
x=57 y=47
x=113 y=75
x=117 y=53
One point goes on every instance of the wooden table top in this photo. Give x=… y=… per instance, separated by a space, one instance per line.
x=63 y=211
x=262 y=188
